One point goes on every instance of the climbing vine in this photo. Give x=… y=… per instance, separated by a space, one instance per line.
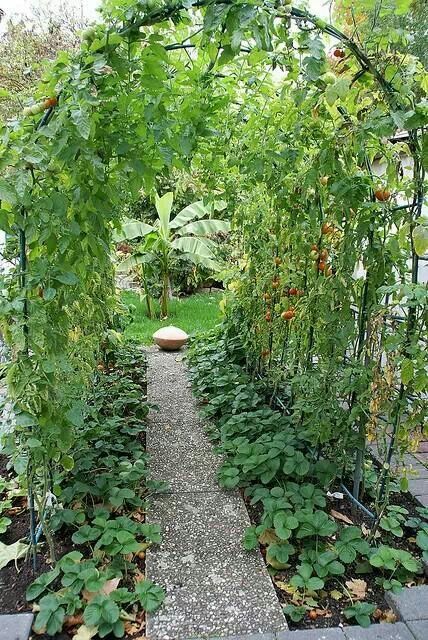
x=159 y=86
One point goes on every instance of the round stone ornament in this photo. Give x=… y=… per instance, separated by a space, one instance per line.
x=170 y=338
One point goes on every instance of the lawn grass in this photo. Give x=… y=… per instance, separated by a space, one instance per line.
x=199 y=312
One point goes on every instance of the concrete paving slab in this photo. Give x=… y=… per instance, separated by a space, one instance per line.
x=423 y=500
x=410 y=604
x=15 y=626
x=383 y=631
x=212 y=595
x=203 y=521
x=419 y=629
x=214 y=588
x=168 y=459
x=418 y=487
x=312 y=634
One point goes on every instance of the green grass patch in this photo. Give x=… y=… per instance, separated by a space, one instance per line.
x=193 y=314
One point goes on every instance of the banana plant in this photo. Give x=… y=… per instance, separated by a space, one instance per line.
x=186 y=235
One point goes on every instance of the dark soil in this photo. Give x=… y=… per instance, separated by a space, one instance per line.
x=13 y=582
x=329 y=612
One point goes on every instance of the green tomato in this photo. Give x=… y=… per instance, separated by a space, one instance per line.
x=37 y=108
x=329 y=77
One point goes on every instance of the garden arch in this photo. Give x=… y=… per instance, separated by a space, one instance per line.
x=64 y=179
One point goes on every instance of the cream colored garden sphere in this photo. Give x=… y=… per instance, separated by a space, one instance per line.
x=170 y=338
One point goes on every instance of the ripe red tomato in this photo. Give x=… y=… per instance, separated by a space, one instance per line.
x=324 y=255
x=313 y=614
x=268 y=316
x=339 y=53
x=50 y=102
x=327 y=228
x=288 y=315
x=383 y=195
x=321 y=266
x=292 y=291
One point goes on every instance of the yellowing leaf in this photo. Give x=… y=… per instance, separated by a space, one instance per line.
x=85 y=633
x=336 y=595
x=9 y=552
x=268 y=536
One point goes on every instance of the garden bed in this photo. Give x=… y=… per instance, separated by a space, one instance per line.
x=328 y=564
x=329 y=609
x=100 y=535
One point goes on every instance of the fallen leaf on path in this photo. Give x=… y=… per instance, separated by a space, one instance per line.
x=341 y=516
x=357 y=588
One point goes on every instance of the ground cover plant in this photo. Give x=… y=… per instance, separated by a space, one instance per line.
x=315 y=136
x=193 y=314
x=328 y=562
x=97 y=586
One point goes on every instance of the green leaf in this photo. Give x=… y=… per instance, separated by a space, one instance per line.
x=193 y=246
x=7 y=192
x=40 y=584
x=250 y=540
x=422 y=540
x=205 y=227
x=192 y=211
x=82 y=121
x=407 y=371
x=49 y=294
x=164 y=207
x=149 y=595
x=50 y=617
x=132 y=229
x=420 y=239
x=67 y=277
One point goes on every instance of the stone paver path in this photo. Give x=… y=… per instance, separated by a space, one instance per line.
x=214 y=587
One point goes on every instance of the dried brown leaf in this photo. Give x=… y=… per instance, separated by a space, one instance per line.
x=357 y=588
x=389 y=616
x=341 y=516
x=109 y=586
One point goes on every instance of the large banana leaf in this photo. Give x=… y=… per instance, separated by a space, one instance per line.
x=204 y=227
x=194 y=246
x=132 y=229
x=133 y=261
x=206 y=262
x=163 y=207
x=192 y=211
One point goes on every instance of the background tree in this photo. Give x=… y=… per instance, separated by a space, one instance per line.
x=28 y=43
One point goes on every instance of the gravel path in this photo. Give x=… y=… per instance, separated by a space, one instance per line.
x=214 y=587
